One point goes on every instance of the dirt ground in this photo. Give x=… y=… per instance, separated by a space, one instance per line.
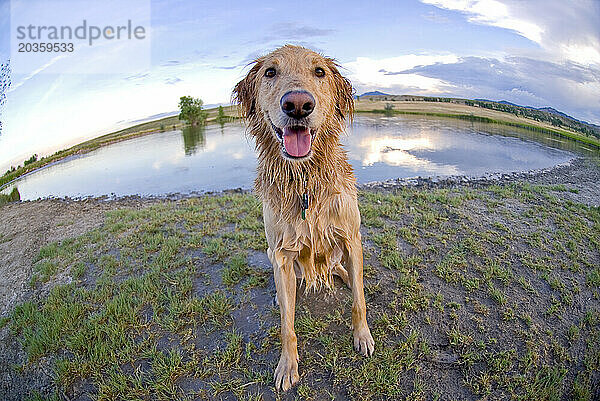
x=475 y=290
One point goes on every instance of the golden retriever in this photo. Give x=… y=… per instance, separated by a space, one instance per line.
x=296 y=102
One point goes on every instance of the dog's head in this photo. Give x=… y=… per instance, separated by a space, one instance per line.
x=296 y=96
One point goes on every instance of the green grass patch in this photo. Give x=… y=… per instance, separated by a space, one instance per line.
x=166 y=304
x=236 y=269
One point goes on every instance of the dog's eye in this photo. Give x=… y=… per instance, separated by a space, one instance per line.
x=270 y=72
x=319 y=72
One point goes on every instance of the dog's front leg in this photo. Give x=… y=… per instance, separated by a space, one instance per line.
x=363 y=341
x=286 y=373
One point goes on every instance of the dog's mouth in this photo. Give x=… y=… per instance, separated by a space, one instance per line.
x=296 y=140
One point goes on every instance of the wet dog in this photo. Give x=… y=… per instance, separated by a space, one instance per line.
x=296 y=102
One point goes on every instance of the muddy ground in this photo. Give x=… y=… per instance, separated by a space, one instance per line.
x=476 y=289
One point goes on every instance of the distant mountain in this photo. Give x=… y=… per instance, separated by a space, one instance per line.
x=375 y=93
x=505 y=102
x=547 y=109
x=155 y=117
x=559 y=113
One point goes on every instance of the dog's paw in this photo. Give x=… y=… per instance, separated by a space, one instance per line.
x=286 y=373
x=363 y=341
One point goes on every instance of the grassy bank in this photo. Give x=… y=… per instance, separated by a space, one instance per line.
x=150 y=127
x=487 y=293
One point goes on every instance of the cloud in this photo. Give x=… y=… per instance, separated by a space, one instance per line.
x=279 y=34
x=36 y=72
x=435 y=17
x=367 y=73
x=172 y=81
x=293 y=31
x=566 y=86
x=250 y=57
x=502 y=74
x=564 y=30
x=137 y=77
x=170 y=63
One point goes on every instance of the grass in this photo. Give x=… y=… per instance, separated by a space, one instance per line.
x=165 y=302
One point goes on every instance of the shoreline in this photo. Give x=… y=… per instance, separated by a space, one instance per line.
x=433 y=182
x=441 y=181
x=162 y=124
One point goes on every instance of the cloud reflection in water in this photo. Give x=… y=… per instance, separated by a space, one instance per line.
x=394 y=151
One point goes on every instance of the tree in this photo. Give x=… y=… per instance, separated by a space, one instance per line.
x=389 y=109
x=221 y=117
x=32 y=159
x=190 y=110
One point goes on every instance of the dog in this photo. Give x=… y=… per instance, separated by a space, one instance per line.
x=296 y=102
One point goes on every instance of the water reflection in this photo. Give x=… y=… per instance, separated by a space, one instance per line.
x=395 y=152
x=381 y=148
x=221 y=157
x=193 y=139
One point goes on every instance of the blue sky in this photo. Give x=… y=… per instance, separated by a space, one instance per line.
x=538 y=53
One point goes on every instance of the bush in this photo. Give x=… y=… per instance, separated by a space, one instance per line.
x=32 y=159
x=14 y=196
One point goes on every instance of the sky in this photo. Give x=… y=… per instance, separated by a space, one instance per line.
x=536 y=52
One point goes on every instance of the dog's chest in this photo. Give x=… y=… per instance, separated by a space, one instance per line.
x=317 y=244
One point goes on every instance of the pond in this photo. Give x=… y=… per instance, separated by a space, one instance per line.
x=217 y=157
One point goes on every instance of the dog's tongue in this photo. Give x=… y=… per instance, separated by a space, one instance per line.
x=296 y=141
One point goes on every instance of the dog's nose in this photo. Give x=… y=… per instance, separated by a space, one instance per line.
x=297 y=104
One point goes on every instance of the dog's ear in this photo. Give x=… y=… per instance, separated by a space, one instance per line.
x=245 y=92
x=343 y=90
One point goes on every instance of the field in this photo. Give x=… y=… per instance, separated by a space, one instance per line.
x=473 y=292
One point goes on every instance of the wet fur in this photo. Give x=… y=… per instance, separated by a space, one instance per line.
x=315 y=248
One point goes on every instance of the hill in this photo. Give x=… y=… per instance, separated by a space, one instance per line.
x=374 y=93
